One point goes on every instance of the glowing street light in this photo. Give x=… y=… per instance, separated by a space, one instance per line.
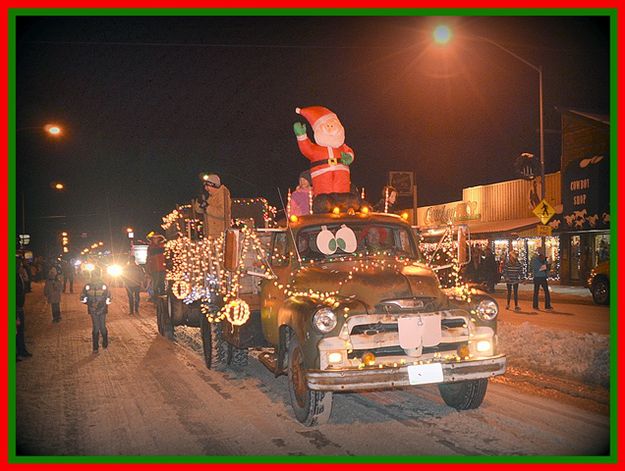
x=442 y=34
x=53 y=129
x=58 y=186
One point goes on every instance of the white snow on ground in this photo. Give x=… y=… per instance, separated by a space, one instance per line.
x=579 y=356
x=563 y=353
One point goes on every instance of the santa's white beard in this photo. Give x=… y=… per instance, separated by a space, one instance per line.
x=330 y=140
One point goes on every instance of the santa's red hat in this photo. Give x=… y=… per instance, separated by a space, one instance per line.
x=316 y=115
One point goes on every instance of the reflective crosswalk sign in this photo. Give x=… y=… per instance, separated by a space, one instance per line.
x=544 y=211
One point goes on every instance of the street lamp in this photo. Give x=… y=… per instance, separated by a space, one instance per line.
x=51 y=129
x=55 y=131
x=442 y=35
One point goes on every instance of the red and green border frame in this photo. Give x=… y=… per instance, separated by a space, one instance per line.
x=284 y=8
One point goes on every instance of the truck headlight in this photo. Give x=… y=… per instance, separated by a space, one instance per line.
x=487 y=309
x=114 y=270
x=324 y=320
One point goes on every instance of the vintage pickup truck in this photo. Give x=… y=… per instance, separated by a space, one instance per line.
x=344 y=302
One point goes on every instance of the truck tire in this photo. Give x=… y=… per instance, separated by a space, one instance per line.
x=213 y=345
x=237 y=357
x=464 y=395
x=601 y=290
x=310 y=407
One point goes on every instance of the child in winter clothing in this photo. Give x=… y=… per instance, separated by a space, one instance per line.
x=52 y=291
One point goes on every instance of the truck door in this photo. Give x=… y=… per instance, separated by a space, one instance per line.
x=272 y=294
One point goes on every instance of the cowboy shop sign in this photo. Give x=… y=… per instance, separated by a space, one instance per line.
x=586 y=194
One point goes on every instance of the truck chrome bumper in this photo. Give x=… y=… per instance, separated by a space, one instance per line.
x=393 y=377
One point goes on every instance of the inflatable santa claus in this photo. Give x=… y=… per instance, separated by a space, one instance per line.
x=329 y=156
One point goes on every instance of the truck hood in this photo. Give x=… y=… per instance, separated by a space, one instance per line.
x=371 y=283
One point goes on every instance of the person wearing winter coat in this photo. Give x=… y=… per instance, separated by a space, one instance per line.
x=388 y=201
x=52 y=291
x=68 y=275
x=20 y=298
x=539 y=265
x=512 y=276
x=97 y=297
x=155 y=265
x=133 y=279
x=489 y=268
x=215 y=204
x=301 y=197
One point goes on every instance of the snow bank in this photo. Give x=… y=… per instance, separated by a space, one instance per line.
x=583 y=357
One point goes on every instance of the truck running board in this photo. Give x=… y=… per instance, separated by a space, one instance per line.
x=270 y=360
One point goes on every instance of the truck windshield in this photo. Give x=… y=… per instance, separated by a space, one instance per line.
x=336 y=240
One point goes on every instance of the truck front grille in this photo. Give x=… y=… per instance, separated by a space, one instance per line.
x=396 y=350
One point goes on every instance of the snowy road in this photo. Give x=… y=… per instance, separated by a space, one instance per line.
x=149 y=396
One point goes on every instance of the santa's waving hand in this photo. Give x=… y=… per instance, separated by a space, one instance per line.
x=329 y=156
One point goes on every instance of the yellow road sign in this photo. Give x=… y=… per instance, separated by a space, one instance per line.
x=543 y=230
x=544 y=211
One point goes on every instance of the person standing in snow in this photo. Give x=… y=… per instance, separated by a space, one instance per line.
x=52 y=291
x=512 y=275
x=97 y=297
x=539 y=266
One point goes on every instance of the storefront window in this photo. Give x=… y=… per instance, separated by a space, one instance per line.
x=576 y=253
x=552 y=250
x=601 y=249
x=501 y=248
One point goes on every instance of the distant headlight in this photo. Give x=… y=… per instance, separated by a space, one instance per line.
x=89 y=266
x=114 y=270
x=487 y=309
x=324 y=320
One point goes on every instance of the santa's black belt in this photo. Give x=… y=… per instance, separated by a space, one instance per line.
x=323 y=162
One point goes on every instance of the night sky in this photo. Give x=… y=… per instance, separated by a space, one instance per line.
x=147 y=103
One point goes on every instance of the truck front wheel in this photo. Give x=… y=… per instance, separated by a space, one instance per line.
x=310 y=407
x=601 y=291
x=464 y=395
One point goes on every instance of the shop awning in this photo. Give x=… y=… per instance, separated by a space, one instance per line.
x=502 y=227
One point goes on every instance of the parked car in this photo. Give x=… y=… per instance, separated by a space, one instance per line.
x=599 y=283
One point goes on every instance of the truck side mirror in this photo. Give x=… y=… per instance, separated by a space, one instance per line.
x=231 y=249
x=464 y=252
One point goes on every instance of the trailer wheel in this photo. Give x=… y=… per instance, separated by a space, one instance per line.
x=166 y=322
x=163 y=321
x=237 y=357
x=464 y=395
x=159 y=316
x=213 y=345
x=310 y=407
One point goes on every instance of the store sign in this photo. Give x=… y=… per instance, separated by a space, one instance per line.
x=586 y=193
x=454 y=212
x=543 y=230
x=402 y=182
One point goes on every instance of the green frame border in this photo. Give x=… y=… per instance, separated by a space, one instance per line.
x=13 y=13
